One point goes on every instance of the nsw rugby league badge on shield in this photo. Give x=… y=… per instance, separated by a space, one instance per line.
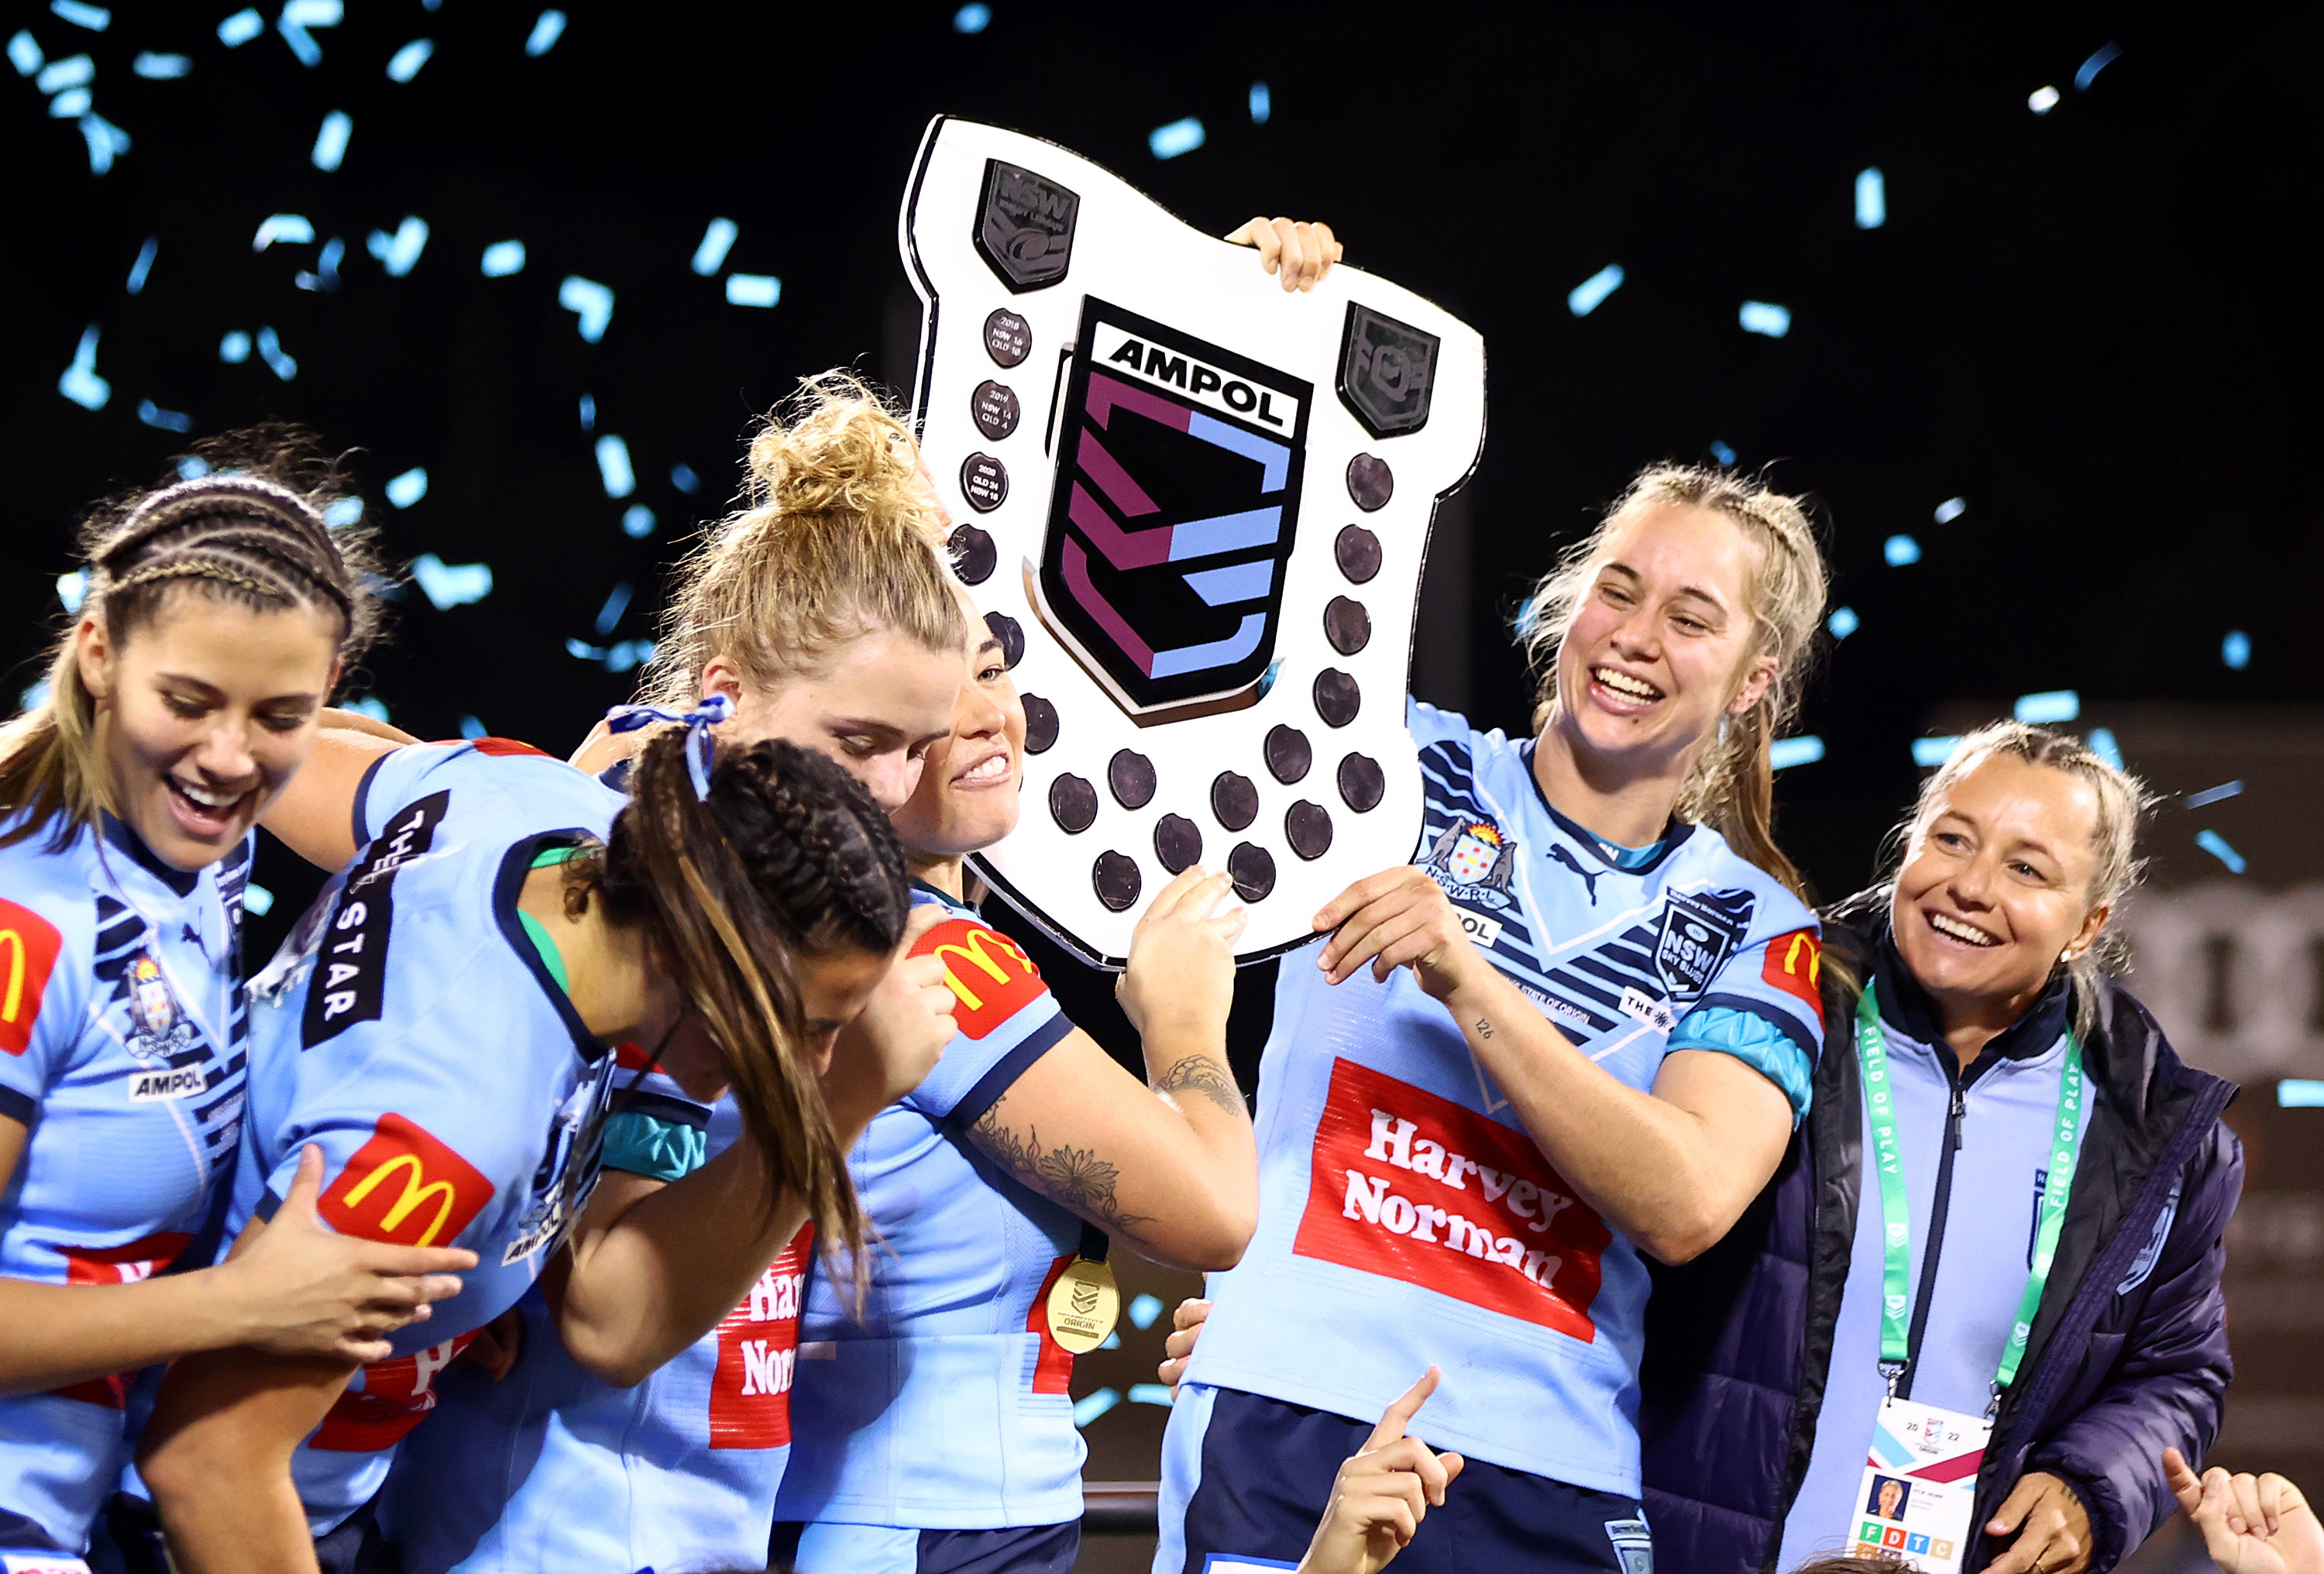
x=1200 y=506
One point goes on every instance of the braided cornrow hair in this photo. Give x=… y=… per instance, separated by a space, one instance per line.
x=247 y=528
x=787 y=858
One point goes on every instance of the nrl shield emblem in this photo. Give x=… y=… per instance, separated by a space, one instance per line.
x=1211 y=561
x=1698 y=932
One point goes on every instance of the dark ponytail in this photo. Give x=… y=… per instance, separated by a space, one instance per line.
x=788 y=857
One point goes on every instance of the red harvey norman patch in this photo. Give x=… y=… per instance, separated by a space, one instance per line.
x=758 y=1350
x=406 y=1188
x=991 y=979
x=27 y=955
x=386 y=1400
x=1794 y=965
x=128 y=1264
x=1420 y=1188
x=1053 y=1368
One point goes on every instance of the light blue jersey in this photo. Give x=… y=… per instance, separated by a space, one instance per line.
x=944 y=1406
x=1405 y=1215
x=553 y=1468
x=122 y=1052
x=413 y=1030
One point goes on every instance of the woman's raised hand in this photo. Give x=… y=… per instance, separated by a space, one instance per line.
x=1398 y=917
x=890 y=1048
x=1382 y=1493
x=1178 y=1348
x=2251 y=1524
x=304 y=1291
x=1295 y=252
x=1181 y=971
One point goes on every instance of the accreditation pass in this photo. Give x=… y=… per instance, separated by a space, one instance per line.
x=1920 y=1486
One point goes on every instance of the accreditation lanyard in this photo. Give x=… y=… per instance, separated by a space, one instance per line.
x=1896 y=1234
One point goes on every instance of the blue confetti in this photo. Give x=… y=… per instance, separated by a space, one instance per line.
x=588 y=412
x=471 y=728
x=331 y=142
x=637 y=521
x=2235 y=649
x=546 y=31
x=168 y=421
x=1145 y=1310
x=156 y=67
x=33 y=697
x=752 y=290
x=1762 y=317
x=270 y=350
x=369 y=705
x=1180 y=137
x=1150 y=1394
x=2226 y=789
x=2102 y=744
x=2300 y=1093
x=72 y=589
x=1785 y=752
x=1843 y=623
x=1592 y=292
x=233 y=350
x=1090 y=1407
x=451 y=584
x=240 y=28
x=405 y=64
x=582 y=650
x=1262 y=104
x=502 y=258
x=192 y=467
x=1871 y=199
x=398 y=253
x=257 y=900
x=2103 y=57
x=80 y=384
x=1927 y=753
x=326 y=275
x=1113 y=1341
x=347 y=511
x=407 y=488
x=25 y=53
x=2048 y=708
x=614 y=466
x=629 y=654
x=95 y=18
x=1722 y=452
x=716 y=241
x=70 y=105
x=145 y=263
x=973 y=18
x=2212 y=842
x=682 y=477
x=291 y=228
x=298 y=16
x=1900 y=551
x=1952 y=509
x=591 y=301
x=2041 y=100
x=77 y=71
x=617 y=602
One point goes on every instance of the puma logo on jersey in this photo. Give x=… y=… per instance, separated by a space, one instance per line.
x=183 y=1083
x=1558 y=854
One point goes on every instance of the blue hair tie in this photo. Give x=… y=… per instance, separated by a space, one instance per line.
x=697 y=723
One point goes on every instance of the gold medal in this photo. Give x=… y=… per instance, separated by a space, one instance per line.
x=1083 y=1305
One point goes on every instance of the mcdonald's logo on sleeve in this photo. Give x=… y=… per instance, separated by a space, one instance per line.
x=404 y=1187
x=29 y=945
x=990 y=979
x=1794 y=965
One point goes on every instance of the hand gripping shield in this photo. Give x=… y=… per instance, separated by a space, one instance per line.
x=1204 y=504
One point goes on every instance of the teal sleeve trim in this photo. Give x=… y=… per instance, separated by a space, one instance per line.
x=659 y=1150
x=1759 y=1044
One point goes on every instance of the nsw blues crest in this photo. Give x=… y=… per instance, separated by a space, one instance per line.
x=1699 y=930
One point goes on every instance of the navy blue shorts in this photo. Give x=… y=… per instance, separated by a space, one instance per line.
x=1266 y=1469
x=870 y=1549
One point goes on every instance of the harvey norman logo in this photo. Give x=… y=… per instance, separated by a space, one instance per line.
x=1151 y=361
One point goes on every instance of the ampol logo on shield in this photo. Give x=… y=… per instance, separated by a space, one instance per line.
x=1178 y=493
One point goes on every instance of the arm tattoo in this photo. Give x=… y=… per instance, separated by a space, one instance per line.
x=1199 y=1073
x=1484 y=1027
x=1074 y=1177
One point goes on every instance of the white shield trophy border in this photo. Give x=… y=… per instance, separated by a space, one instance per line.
x=1244 y=711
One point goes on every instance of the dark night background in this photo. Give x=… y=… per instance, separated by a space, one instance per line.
x=2098 y=327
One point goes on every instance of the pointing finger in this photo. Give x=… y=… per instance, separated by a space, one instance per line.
x=1401 y=1410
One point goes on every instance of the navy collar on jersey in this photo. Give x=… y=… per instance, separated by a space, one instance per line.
x=116 y=831
x=616 y=776
x=1674 y=834
x=1906 y=1007
x=515 y=864
x=942 y=895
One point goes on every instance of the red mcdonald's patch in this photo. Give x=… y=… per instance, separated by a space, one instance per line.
x=27 y=955
x=991 y=979
x=1794 y=965
x=406 y=1188
x=505 y=746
